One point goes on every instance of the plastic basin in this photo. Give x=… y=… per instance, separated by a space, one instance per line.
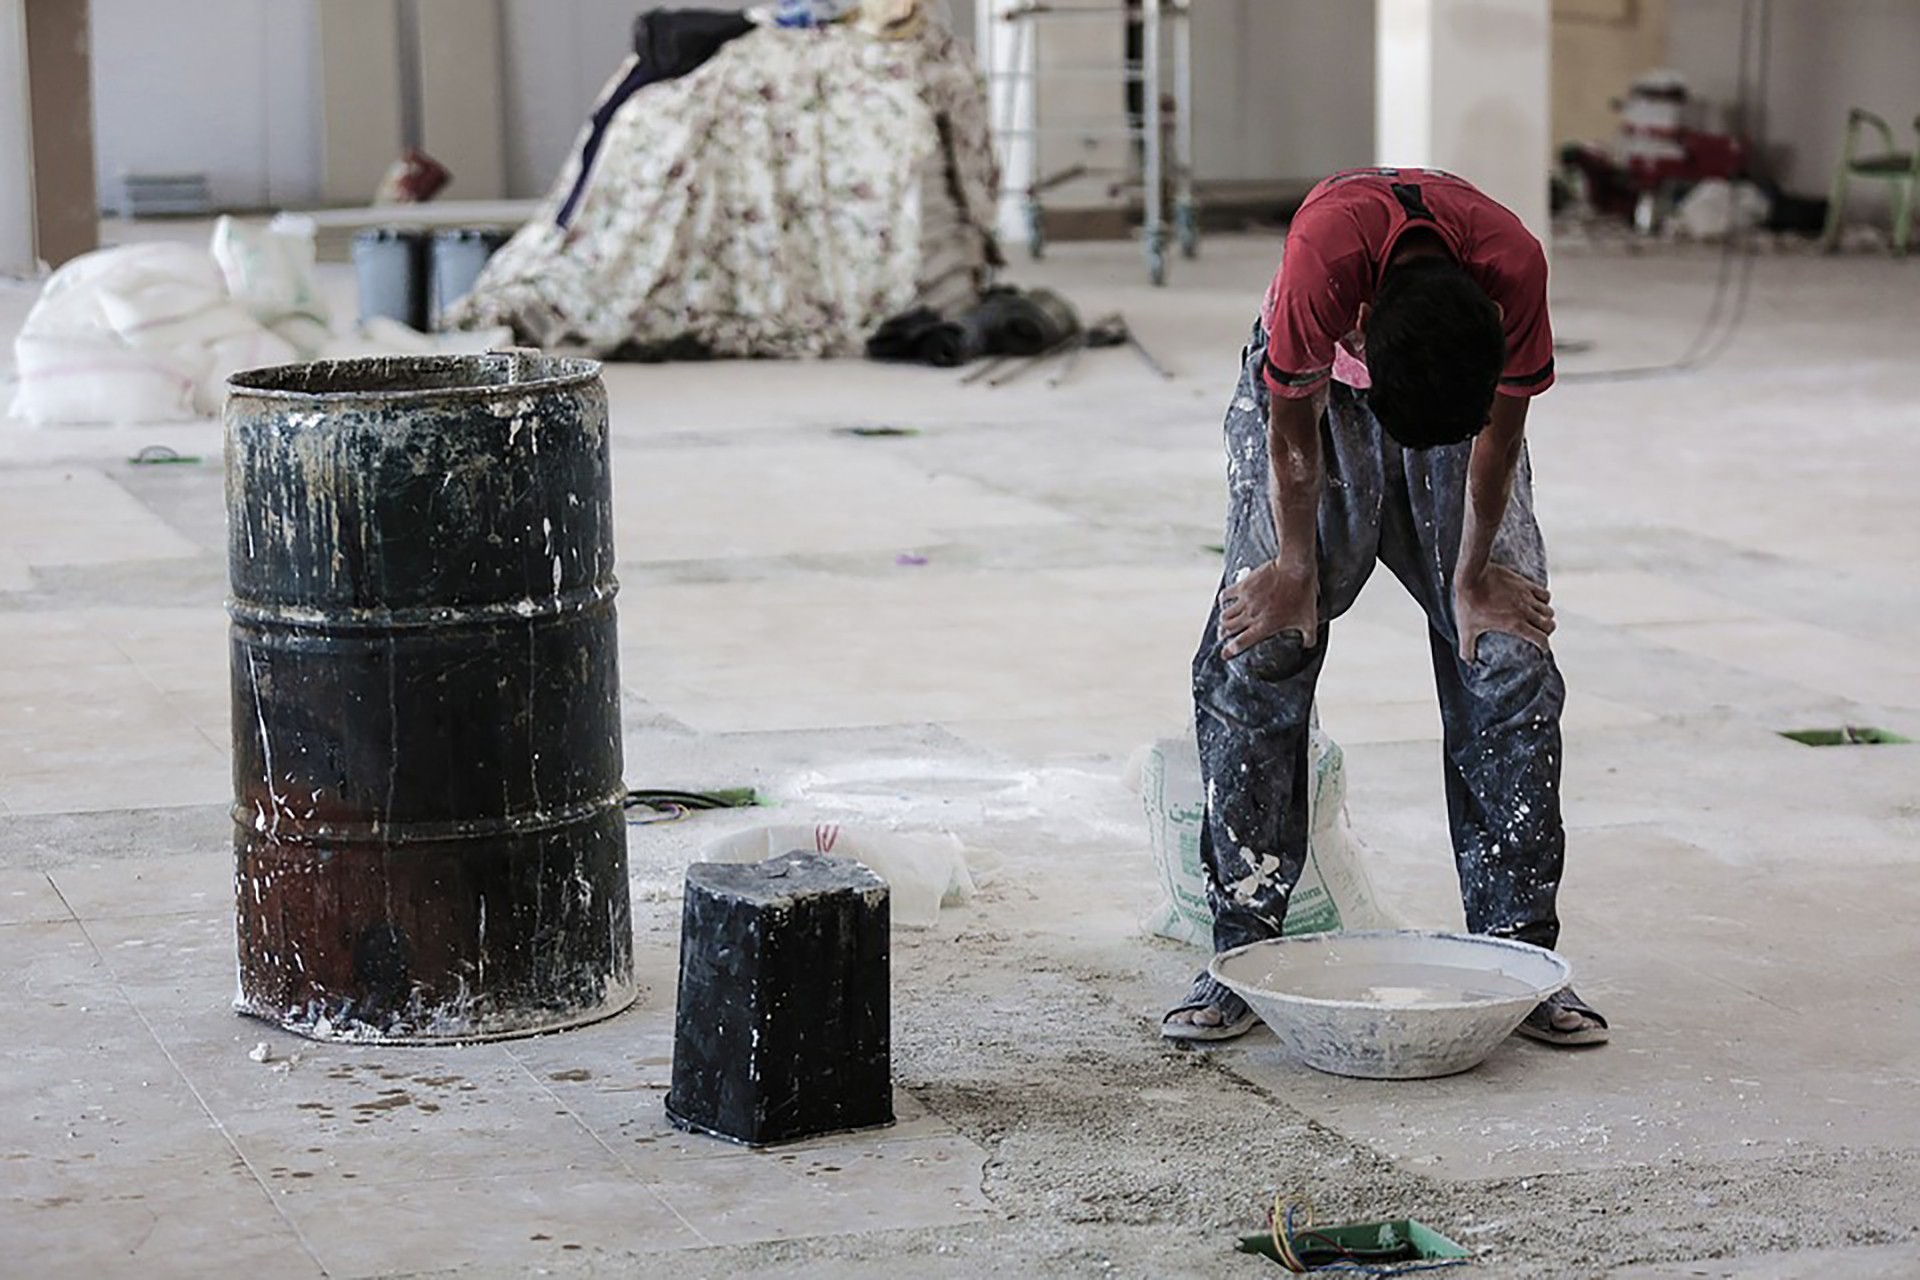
x=1391 y=1004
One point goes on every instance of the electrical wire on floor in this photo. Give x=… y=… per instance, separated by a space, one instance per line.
x=1716 y=335
x=1302 y=1249
x=673 y=806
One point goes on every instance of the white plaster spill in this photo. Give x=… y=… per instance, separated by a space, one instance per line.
x=266 y=752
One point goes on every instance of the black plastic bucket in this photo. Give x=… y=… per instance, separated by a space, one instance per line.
x=429 y=837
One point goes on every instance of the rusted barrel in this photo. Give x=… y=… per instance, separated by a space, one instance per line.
x=429 y=840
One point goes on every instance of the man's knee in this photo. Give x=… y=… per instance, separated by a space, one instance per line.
x=1512 y=677
x=1258 y=695
x=1260 y=670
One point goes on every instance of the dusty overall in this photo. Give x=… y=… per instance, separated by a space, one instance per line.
x=1501 y=713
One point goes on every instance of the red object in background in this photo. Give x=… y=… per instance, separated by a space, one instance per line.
x=1615 y=188
x=415 y=178
x=1703 y=156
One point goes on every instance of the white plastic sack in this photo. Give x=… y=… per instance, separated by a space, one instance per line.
x=269 y=271
x=1715 y=209
x=923 y=870
x=138 y=333
x=1334 y=890
x=152 y=332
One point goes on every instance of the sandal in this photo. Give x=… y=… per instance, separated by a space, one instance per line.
x=1539 y=1024
x=1236 y=1019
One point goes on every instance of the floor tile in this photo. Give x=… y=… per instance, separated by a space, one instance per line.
x=15 y=573
x=501 y=1221
x=1813 y=657
x=1873 y=1262
x=28 y=897
x=228 y=1226
x=856 y=1186
x=682 y=503
x=76 y=515
x=95 y=1106
x=181 y=768
x=352 y=1113
x=1629 y=598
x=40 y=640
x=187 y=884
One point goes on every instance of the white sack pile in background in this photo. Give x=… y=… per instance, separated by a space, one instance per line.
x=151 y=332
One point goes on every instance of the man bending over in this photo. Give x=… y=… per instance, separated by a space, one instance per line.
x=1381 y=415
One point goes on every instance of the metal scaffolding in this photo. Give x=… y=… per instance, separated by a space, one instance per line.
x=1163 y=121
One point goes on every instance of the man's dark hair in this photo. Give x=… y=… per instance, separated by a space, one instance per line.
x=1435 y=349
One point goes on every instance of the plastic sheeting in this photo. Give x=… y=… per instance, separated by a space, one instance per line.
x=784 y=199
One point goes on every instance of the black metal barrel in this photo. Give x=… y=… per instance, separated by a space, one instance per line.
x=429 y=840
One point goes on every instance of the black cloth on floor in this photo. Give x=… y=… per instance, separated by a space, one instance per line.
x=1016 y=323
x=921 y=336
x=669 y=43
x=1004 y=322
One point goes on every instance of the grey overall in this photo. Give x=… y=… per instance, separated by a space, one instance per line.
x=1500 y=714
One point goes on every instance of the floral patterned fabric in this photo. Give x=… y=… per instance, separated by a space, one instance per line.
x=784 y=199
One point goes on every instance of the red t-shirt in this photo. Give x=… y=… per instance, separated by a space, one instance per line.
x=1345 y=234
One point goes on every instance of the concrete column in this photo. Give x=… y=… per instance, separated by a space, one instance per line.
x=1463 y=85
x=16 y=143
x=66 y=209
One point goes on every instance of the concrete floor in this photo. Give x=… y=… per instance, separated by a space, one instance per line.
x=1734 y=555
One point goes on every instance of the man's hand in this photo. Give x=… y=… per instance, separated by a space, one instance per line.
x=1498 y=599
x=1283 y=594
x=1267 y=601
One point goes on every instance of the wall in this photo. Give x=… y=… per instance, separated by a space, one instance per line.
x=1826 y=56
x=228 y=88
x=1463 y=86
x=231 y=88
x=1283 y=89
x=1282 y=94
x=462 y=100
x=558 y=58
x=360 y=107
x=1599 y=46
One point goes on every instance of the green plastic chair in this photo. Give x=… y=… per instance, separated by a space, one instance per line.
x=1900 y=168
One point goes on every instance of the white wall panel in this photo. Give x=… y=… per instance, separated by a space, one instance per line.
x=221 y=87
x=1463 y=86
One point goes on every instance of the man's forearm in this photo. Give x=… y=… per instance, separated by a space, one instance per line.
x=1293 y=447
x=1490 y=472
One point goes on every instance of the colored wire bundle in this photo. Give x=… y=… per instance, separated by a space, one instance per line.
x=1299 y=1248
x=672 y=806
